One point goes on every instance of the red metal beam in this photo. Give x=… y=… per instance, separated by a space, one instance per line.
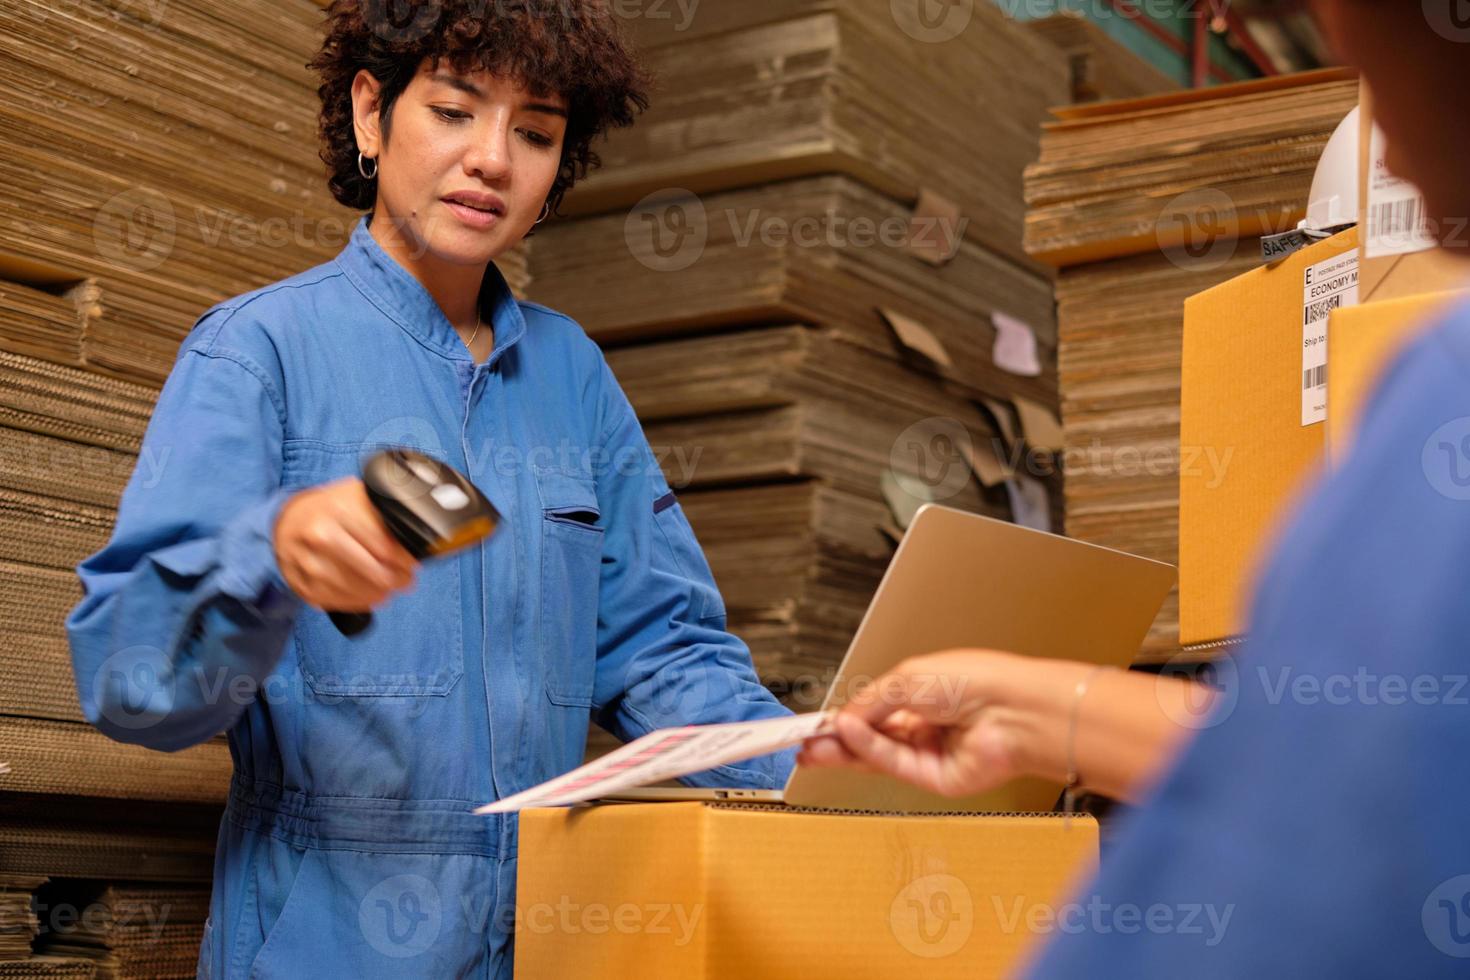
x=1199 y=71
x=1242 y=35
x=1126 y=10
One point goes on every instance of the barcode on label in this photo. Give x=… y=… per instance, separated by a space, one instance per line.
x=1314 y=377
x=1319 y=311
x=1402 y=219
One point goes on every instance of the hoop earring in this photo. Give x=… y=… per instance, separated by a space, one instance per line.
x=362 y=170
x=545 y=212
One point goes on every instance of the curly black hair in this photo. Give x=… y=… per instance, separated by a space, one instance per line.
x=571 y=48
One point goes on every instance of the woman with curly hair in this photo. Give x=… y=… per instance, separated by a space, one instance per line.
x=348 y=842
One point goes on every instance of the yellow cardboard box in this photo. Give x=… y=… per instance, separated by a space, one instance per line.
x=1245 y=440
x=1362 y=341
x=717 y=891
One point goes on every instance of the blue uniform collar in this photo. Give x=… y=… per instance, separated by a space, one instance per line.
x=394 y=290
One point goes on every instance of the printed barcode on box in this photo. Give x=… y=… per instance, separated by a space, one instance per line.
x=1319 y=311
x=1400 y=220
x=1315 y=377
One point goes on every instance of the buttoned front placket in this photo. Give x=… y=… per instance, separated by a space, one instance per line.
x=495 y=599
x=497 y=591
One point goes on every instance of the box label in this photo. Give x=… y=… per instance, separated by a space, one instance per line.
x=1396 y=220
x=1326 y=286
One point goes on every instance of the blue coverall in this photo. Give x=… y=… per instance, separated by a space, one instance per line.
x=348 y=846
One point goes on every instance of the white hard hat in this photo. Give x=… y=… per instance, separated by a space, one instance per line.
x=1334 y=200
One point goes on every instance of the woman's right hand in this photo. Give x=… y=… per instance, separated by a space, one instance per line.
x=336 y=553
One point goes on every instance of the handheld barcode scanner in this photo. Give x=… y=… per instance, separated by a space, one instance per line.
x=431 y=508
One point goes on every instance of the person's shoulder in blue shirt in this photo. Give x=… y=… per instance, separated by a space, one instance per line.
x=1316 y=826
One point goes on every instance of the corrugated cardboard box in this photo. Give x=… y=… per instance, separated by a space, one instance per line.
x=1253 y=397
x=1362 y=342
x=707 y=891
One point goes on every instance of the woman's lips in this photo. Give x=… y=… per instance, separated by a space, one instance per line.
x=473 y=217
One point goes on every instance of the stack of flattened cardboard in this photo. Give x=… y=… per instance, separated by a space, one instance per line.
x=71 y=440
x=155 y=163
x=1131 y=249
x=18 y=922
x=153 y=166
x=1102 y=68
x=48 y=968
x=1129 y=177
x=752 y=93
x=133 y=932
x=107 y=838
x=782 y=435
x=823 y=319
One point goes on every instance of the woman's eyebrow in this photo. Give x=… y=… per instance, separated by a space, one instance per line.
x=546 y=107
x=470 y=88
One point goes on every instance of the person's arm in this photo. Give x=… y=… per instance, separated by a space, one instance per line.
x=664 y=656
x=184 y=611
x=963 y=721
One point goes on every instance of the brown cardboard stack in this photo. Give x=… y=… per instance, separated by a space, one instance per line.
x=133 y=932
x=18 y=922
x=107 y=838
x=1140 y=214
x=752 y=93
x=1125 y=178
x=48 y=968
x=803 y=297
x=153 y=166
x=155 y=162
x=1102 y=68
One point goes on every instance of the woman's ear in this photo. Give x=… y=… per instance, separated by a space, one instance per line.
x=365 y=92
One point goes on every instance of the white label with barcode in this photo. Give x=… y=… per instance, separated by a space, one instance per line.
x=1397 y=222
x=1326 y=286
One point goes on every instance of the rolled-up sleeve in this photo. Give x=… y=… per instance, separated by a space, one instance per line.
x=665 y=657
x=184 y=611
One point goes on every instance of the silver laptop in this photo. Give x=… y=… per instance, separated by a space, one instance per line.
x=962 y=580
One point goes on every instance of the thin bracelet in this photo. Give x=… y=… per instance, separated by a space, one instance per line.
x=1069 y=795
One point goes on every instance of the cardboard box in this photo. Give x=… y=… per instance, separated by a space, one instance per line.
x=1362 y=341
x=1389 y=277
x=1245 y=439
x=710 y=891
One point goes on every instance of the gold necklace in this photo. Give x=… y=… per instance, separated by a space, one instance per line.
x=469 y=344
